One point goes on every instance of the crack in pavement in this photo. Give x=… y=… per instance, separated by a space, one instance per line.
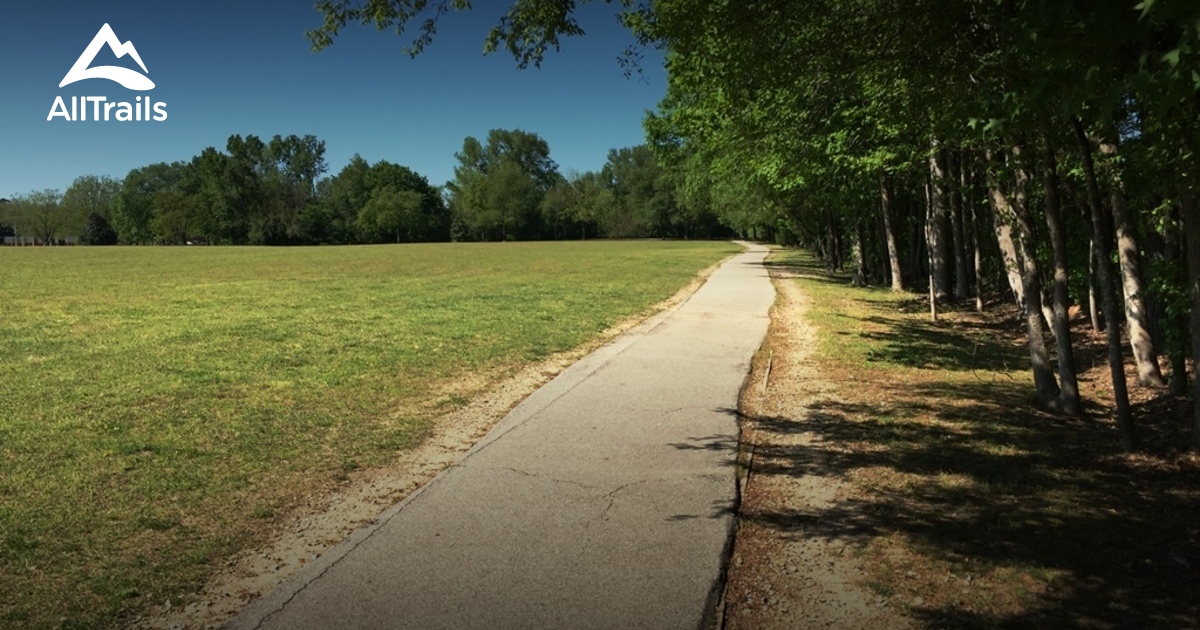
x=527 y=473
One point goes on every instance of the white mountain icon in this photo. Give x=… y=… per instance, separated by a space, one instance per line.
x=126 y=77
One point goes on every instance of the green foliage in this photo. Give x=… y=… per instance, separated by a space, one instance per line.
x=342 y=197
x=266 y=192
x=42 y=215
x=643 y=196
x=90 y=195
x=391 y=212
x=338 y=215
x=558 y=205
x=528 y=30
x=593 y=199
x=511 y=198
x=498 y=187
x=176 y=218
x=578 y=205
x=134 y=207
x=768 y=101
x=6 y=229
x=98 y=231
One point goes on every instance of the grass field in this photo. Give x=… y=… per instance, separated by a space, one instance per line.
x=158 y=405
x=972 y=509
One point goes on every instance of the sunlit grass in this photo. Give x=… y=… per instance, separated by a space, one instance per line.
x=159 y=405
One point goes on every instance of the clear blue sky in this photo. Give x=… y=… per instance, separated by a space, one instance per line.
x=237 y=67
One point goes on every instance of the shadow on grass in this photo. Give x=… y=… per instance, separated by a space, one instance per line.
x=985 y=489
x=932 y=346
x=901 y=335
x=1046 y=509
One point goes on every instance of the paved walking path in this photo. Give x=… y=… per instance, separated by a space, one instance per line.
x=604 y=500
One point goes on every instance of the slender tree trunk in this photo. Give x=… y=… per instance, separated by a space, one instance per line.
x=883 y=261
x=918 y=258
x=1144 y=352
x=826 y=243
x=936 y=201
x=1093 y=303
x=1068 y=382
x=835 y=242
x=889 y=234
x=933 y=305
x=972 y=216
x=1116 y=359
x=860 y=260
x=1175 y=259
x=962 y=287
x=1190 y=212
x=978 y=254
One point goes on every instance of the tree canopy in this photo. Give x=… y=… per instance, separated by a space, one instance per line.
x=964 y=145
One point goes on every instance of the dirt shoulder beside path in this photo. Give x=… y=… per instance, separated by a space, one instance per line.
x=789 y=569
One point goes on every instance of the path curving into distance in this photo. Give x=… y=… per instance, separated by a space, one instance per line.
x=604 y=500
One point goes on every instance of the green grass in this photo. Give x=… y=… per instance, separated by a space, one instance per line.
x=160 y=406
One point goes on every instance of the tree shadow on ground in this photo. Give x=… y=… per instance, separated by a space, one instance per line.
x=978 y=483
x=983 y=484
x=931 y=346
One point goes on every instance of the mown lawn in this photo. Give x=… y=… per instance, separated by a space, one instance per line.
x=159 y=405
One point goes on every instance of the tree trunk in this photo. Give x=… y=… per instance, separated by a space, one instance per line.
x=918 y=258
x=835 y=242
x=1068 y=382
x=1175 y=259
x=962 y=287
x=860 y=261
x=1093 y=303
x=883 y=261
x=935 y=219
x=970 y=227
x=1116 y=359
x=889 y=234
x=1018 y=212
x=978 y=260
x=826 y=244
x=1008 y=250
x=1190 y=212
x=933 y=305
x=1144 y=352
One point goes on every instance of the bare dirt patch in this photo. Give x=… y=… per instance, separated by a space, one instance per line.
x=804 y=575
x=326 y=517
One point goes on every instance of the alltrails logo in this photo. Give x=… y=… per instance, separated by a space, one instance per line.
x=143 y=108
